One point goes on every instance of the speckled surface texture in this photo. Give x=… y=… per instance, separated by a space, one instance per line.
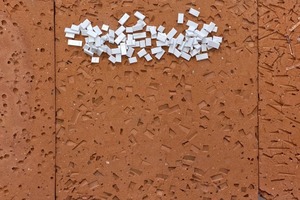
x=224 y=128
x=27 y=109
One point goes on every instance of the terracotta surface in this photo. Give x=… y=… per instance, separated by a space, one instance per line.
x=167 y=129
x=279 y=99
x=27 y=109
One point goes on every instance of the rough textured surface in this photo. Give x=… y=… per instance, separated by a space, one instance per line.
x=27 y=113
x=166 y=129
x=279 y=99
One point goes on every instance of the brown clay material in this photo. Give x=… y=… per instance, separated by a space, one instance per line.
x=279 y=99
x=27 y=109
x=167 y=129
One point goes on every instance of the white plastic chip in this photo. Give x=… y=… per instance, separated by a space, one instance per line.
x=160 y=54
x=124 y=19
x=77 y=43
x=130 y=52
x=156 y=50
x=120 y=30
x=202 y=56
x=172 y=33
x=95 y=60
x=161 y=28
x=194 y=12
x=180 y=18
x=70 y=35
x=191 y=42
x=139 y=15
x=142 y=53
x=132 y=60
x=139 y=35
x=85 y=24
x=148 y=57
x=105 y=27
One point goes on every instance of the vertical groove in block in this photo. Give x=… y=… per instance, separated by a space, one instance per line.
x=27 y=113
x=279 y=99
x=161 y=129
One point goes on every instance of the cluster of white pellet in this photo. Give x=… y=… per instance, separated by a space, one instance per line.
x=193 y=43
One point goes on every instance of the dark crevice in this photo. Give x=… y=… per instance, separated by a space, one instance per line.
x=258 y=102
x=55 y=94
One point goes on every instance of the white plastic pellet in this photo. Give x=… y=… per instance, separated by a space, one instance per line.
x=123 y=19
x=85 y=24
x=132 y=60
x=98 y=42
x=153 y=30
x=172 y=33
x=105 y=27
x=123 y=49
x=203 y=33
x=139 y=15
x=91 y=39
x=120 y=30
x=130 y=52
x=190 y=43
x=180 y=39
x=120 y=38
x=91 y=33
x=70 y=35
x=213 y=44
x=160 y=54
x=97 y=30
x=89 y=27
x=116 y=50
x=142 y=43
x=161 y=37
x=77 y=43
x=142 y=23
x=118 y=58
x=99 y=51
x=112 y=59
x=148 y=57
x=209 y=27
x=180 y=18
x=217 y=39
x=137 y=44
x=162 y=44
x=215 y=29
x=148 y=42
x=142 y=53
x=195 y=52
x=171 y=49
x=137 y=27
x=69 y=30
x=84 y=32
x=177 y=53
x=95 y=60
x=203 y=47
x=191 y=23
x=75 y=27
x=161 y=28
x=185 y=56
x=139 y=35
x=156 y=50
x=129 y=30
x=88 y=52
x=202 y=56
x=194 y=12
